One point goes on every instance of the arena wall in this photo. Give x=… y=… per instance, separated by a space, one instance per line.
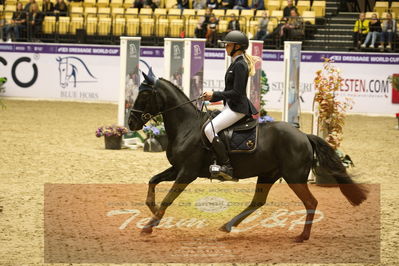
x=91 y=73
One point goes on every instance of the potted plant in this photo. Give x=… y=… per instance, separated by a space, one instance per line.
x=264 y=89
x=332 y=112
x=157 y=139
x=112 y=136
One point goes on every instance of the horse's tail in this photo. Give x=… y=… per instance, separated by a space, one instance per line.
x=331 y=165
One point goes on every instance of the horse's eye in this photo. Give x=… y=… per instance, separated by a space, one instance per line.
x=63 y=70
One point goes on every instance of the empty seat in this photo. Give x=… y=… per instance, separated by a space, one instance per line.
x=145 y=13
x=116 y=3
x=309 y=16
x=48 y=25
x=381 y=7
x=104 y=12
x=319 y=7
x=118 y=28
x=370 y=14
x=303 y=6
x=90 y=12
x=188 y=13
x=91 y=25
x=63 y=25
x=147 y=26
x=176 y=27
x=102 y=3
x=128 y=3
x=132 y=26
x=89 y=3
x=277 y=14
x=131 y=13
x=218 y=12
x=104 y=26
x=76 y=23
x=223 y=25
x=273 y=5
x=190 y=27
x=162 y=27
x=160 y=13
x=174 y=13
x=76 y=11
x=252 y=28
x=395 y=7
x=117 y=12
x=248 y=13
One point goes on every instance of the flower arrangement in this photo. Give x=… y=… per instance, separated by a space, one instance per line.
x=113 y=130
x=264 y=89
x=332 y=112
x=154 y=130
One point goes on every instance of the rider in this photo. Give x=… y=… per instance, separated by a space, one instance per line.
x=234 y=96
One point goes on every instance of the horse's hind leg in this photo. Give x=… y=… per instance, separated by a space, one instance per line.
x=167 y=175
x=310 y=202
x=262 y=190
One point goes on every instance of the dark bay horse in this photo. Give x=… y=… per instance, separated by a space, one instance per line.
x=282 y=151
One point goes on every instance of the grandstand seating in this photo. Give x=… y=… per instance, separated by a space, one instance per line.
x=303 y=6
x=319 y=7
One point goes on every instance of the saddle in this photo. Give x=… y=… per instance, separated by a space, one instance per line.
x=239 y=137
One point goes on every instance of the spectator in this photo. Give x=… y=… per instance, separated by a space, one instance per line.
x=226 y=4
x=47 y=7
x=360 y=30
x=202 y=25
x=293 y=28
x=27 y=6
x=234 y=24
x=138 y=4
x=18 y=23
x=211 y=33
x=288 y=8
x=262 y=28
x=240 y=4
x=183 y=4
x=374 y=31
x=35 y=19
x=388 y=31
x=199 y=4
x=213 y=4
x=60 y=8
x=258 y=5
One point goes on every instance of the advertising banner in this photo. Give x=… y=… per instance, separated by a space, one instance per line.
x=174 y=55
x=92 y=73
x=292 y=60
x=130 y=76
x=197 y=56
x=256 y=48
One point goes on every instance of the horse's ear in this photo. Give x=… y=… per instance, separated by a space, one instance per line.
x=150 y=77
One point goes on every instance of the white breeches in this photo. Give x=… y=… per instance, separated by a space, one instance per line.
x=223 y=120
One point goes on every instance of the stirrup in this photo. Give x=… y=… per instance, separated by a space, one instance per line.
x=217 y=172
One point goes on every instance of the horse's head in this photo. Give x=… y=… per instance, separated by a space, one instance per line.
x=65 y=71
x=145 y=105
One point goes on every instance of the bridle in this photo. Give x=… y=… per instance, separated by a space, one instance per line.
x=147 y=116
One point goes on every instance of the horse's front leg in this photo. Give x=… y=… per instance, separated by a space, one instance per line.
x=261 y=191
x=178 y=187
x=167 y=175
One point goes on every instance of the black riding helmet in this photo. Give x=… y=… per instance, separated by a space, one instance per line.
x=237 y=37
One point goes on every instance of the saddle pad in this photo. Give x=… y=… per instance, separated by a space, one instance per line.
x=243 y=140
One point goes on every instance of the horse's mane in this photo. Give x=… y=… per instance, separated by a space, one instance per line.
x=174 y=87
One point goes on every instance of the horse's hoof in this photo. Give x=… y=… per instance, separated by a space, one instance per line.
x=146 y=230
x=300 y=239
x=225 y=228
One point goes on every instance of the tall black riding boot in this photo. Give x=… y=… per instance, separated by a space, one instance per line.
x=222 y=157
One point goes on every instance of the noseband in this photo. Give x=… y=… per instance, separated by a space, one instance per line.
x=146 y=116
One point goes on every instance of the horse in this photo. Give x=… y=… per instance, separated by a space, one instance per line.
x=69 y=67
x=283 y=151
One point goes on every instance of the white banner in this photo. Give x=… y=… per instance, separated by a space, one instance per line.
x=87 y=73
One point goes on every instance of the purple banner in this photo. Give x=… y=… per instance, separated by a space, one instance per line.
x=216 y=54
x=349 y=58
x=60 y=49
x=197 y=68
